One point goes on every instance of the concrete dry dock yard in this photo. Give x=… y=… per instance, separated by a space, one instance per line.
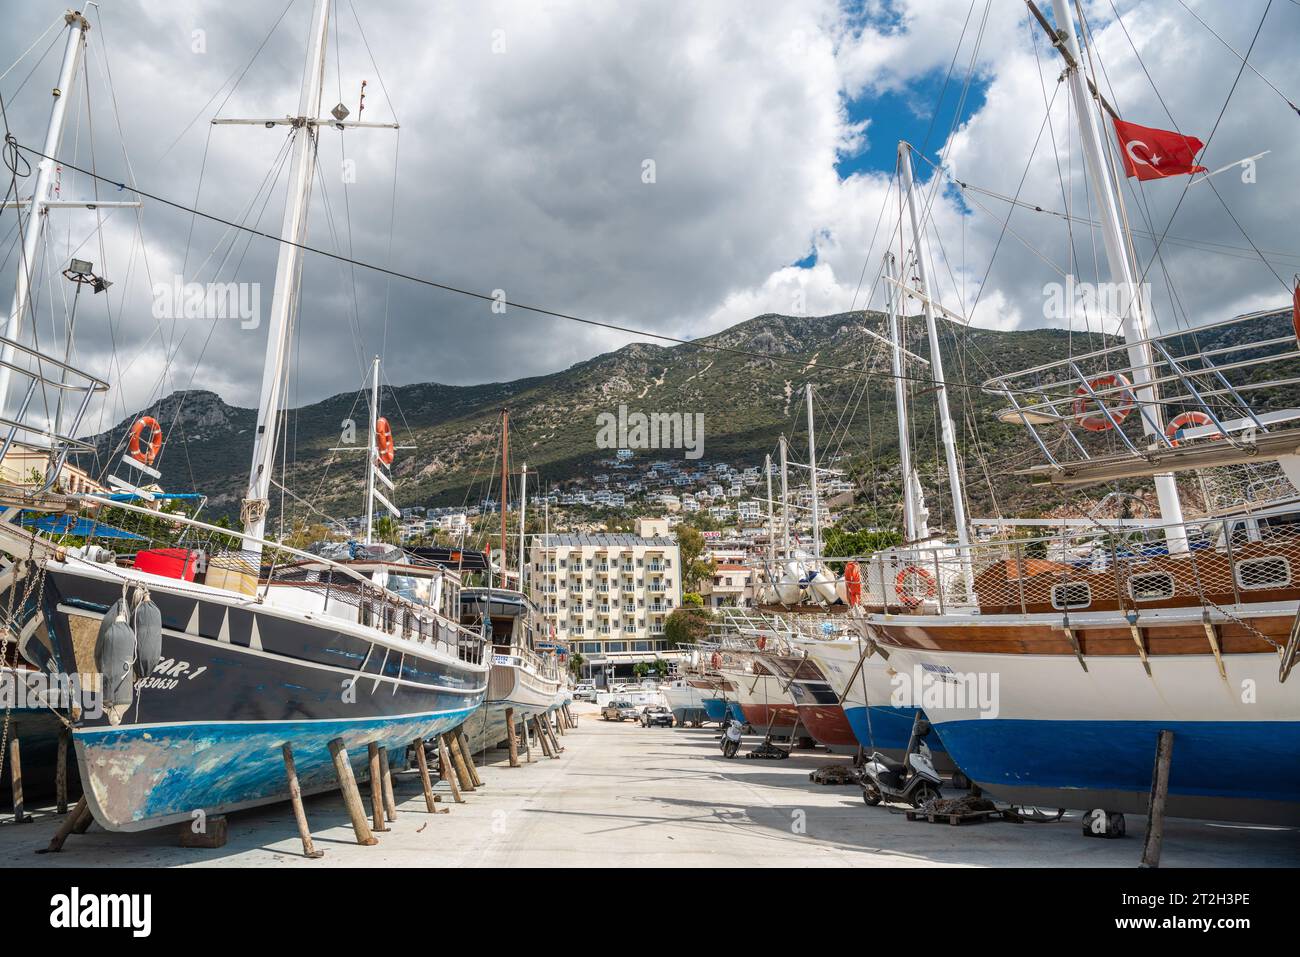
x=623 y=795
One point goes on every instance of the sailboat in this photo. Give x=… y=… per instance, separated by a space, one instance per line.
x=1050 y=666
x=527 y=679
x=235 y=645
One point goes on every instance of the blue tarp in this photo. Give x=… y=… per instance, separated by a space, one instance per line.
x=74 y=525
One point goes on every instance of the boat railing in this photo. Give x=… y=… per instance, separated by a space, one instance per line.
x=281 y=575
x=38 y=425
x=1192 y=385
x=1229 y=562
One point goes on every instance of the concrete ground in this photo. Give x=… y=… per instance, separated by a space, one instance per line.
x=621 y=795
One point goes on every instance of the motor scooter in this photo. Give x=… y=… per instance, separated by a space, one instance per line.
x=913 y=781
x=731 y=738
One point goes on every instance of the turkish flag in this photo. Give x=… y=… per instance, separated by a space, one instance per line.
x=1155 y=154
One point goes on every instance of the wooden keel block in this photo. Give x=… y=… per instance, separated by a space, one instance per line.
x=211 y=835
x=351 y=794
x=376 y=790
x=295 y=798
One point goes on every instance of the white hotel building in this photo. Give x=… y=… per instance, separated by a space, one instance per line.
x=608 y=595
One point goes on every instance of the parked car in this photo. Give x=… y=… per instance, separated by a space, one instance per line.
x=584 y=692
x=619 y=711
x=656 y=715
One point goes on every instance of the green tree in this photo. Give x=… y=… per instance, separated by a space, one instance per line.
x=686 y=625
x=861 y=542
x=386 y=530
x=693 y=598
x=641 y=669
x=695 y=570
x=576 y=661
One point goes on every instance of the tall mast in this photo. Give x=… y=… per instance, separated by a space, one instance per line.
x=505 y=485
x=373 y=451
x=785 y=502
x=771 y=523
x=812 y=471
x=936 y=360
x=1122 y=273
x=293 y=234
x=523 y=507
x=41 y=201
x=910 y=529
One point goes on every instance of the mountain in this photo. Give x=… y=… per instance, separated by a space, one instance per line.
x=747 y=387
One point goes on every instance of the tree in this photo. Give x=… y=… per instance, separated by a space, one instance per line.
x=660 y=667
x=641 y=669
x=386 y=530
x=694 y=569
x=686 y=625
x=693 y=598
x=844 y=542
x=576 y=661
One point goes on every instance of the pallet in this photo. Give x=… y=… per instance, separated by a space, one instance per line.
x=967 y=817
x=833 y=774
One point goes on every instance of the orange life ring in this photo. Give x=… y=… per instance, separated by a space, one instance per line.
x=1097 y=420
x=150 y=452
x=905 y=593
x=1188 y=420
x=384 y=441
x=853 y=583
x=716 y=661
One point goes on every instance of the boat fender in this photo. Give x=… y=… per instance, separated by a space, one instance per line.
x=114 y=657
x=147 y=621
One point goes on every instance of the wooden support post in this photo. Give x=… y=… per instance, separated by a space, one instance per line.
x=550 y=736
x=351 y=794
x=458 y=761
x=61 y=772
x=469 y=756
x=386 y=775
x=510 y=736
x=541 y=737
x=65 y=829
x=448 y=772
x=1159 y=794
x=83 y=822
x=295 y=798
x=528 y=743
x=16 y=781
x=423 y=762
x=376 y=791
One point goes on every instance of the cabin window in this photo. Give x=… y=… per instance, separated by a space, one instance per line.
x=1263 y=573
x=1151 y=586
x=1071 y=595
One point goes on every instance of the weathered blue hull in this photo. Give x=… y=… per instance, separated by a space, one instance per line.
x=237 y=680
x=177 y=772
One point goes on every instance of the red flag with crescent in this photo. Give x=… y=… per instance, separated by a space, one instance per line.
x=1155 y=154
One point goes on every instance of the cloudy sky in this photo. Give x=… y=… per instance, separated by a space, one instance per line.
x=528 y=133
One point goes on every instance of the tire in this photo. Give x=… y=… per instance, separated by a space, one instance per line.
x=870 y=796
x=924 y=794
x=729 y=749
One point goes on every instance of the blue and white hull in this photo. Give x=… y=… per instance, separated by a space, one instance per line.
x=1052 y=735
